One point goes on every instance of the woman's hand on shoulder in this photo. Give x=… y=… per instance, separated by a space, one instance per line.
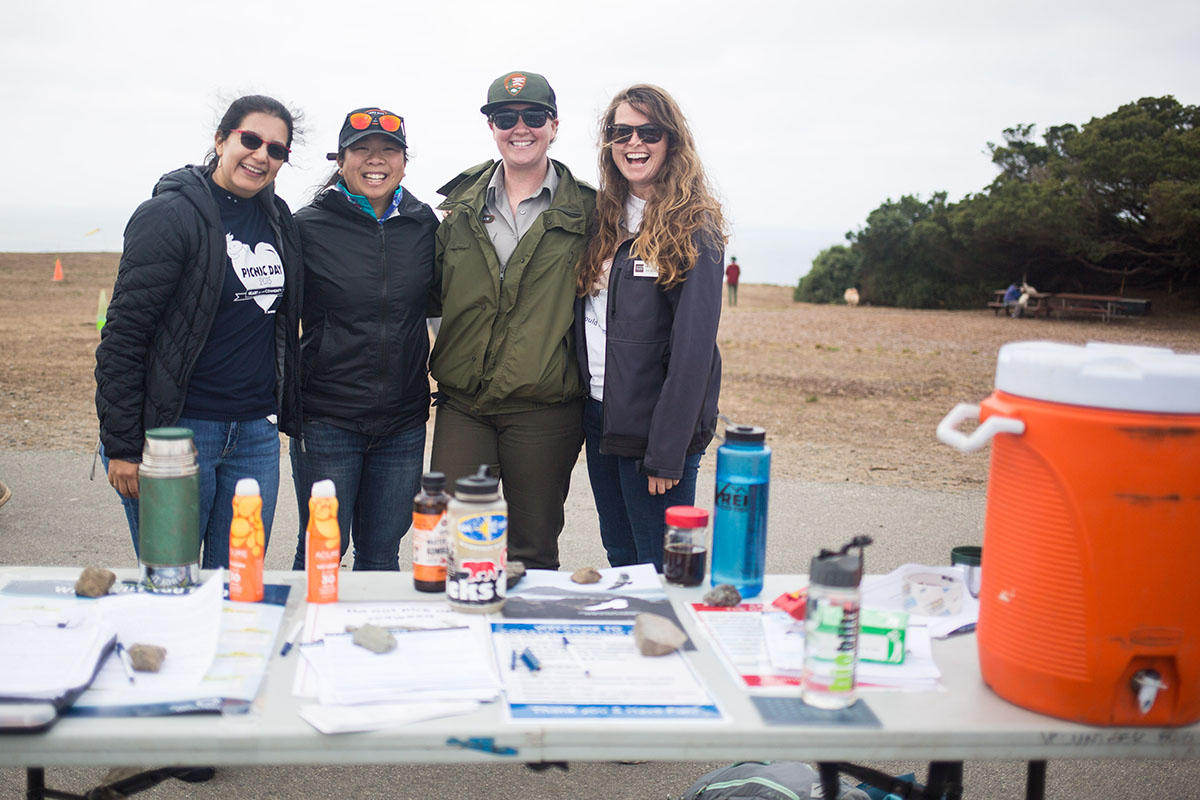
x=661 y=485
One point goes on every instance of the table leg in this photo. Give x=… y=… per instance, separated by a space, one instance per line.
x=1035 y=780
x=35 y=787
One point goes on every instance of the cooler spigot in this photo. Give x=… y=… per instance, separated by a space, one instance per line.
x=1147 y=683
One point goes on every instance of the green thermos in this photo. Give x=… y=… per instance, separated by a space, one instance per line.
x=169 y=511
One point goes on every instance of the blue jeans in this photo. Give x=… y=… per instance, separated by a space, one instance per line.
x=632 y=521
x=225 y=452
x=376 y=478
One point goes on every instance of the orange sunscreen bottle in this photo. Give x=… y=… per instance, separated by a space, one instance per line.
x=246 y=543
x=323 y=546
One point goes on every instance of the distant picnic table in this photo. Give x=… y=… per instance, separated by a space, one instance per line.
x=1059 y=304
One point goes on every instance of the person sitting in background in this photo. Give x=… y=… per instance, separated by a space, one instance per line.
x=1012 y=296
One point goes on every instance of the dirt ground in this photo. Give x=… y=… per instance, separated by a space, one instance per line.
x=846 y=394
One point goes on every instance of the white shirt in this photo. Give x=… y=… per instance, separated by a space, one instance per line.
x=595 y=307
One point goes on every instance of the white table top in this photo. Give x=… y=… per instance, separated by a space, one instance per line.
x=964 y=721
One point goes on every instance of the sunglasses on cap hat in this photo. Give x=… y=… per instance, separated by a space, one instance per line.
x=361 y=120
x=650 y=134
x=507 y=120
x=252 y=141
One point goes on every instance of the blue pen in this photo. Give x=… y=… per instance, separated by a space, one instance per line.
x=291 y=640
x=531 y=660
x=575 y=657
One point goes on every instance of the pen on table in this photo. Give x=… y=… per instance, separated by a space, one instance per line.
x=291 y=640
x=575 y=656
x=126 y=661
x=531 y=660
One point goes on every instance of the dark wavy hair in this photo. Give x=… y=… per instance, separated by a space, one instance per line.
x=683 y=204
x=245 y=106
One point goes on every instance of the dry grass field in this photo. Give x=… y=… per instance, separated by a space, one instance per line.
x=846 y=394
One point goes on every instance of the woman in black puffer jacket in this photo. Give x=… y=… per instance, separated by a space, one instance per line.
x=369 y=282
x=202 y=330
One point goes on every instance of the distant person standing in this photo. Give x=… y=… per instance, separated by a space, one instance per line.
x=732 y=273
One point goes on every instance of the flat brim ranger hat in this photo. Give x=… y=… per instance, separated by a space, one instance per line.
x=520 y=87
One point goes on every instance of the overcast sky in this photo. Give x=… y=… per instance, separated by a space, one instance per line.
x=808 y=115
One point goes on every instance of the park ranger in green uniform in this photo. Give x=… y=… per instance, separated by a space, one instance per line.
x=509 y=392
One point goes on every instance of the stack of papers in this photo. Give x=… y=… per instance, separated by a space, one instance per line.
x=442 y=666
x=50 y=647
x=447 y=664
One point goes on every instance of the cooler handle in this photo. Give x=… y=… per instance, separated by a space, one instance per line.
x=948 y=433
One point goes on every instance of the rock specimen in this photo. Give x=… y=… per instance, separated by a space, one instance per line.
x=586 y=575
x=656 y=635
x=94 y=582
x=147 y=657
x=515 y=570
x=723 y=594
x=374 y=638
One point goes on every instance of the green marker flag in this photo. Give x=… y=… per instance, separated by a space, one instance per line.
x=101 y=311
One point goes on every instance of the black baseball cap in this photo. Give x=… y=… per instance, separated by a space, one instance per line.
x=363 y=122
x=520 y=87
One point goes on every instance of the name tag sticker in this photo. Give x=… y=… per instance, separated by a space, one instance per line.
x=643 y=270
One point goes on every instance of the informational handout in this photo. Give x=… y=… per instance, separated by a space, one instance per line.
x=50 y=647
x=331 y=619
x=572 y=670
x=217 y=650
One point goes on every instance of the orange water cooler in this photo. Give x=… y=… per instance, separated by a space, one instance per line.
x=1089 y=608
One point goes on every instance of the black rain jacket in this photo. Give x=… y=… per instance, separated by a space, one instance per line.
x=167 y=291
x=368 y=288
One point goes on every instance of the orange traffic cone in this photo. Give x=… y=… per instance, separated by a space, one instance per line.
x=58 y=269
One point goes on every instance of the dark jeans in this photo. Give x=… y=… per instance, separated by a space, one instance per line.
x=632 y=521
x=376 y=478
x=533 y=451
x=225 y=452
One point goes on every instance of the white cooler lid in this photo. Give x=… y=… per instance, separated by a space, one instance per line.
x=1100 y=375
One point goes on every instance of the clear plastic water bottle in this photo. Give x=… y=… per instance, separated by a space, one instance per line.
x=831 y=627
x=740 y=509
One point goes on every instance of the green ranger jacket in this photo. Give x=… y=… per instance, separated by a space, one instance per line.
x=506 y=342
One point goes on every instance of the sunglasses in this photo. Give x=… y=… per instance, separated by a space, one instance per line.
x=384 y=119
x=507 y=120
x=252 y=141
x=650 y=134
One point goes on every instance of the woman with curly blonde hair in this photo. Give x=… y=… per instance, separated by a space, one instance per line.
x=649 y=304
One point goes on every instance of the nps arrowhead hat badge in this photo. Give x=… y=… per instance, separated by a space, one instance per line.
x=514 y=83
x=520 y=87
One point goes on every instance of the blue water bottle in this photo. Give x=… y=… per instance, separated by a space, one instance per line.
x=740 y=509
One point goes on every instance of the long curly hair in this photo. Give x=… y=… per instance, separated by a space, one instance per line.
x=683 y=204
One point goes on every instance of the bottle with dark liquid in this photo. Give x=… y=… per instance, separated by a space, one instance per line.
x=685 y=545
x=429 y=534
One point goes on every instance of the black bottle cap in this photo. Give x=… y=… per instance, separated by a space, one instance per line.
x=745 y=433
x=432 y=482
x=478 y=484
x=840 y=568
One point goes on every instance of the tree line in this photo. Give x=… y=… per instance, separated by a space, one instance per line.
x=1110 y=207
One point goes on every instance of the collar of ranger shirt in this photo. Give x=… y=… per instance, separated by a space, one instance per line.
x=497 y=192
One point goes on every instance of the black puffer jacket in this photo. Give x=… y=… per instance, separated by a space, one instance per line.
x=167 y=291
x=365 y=347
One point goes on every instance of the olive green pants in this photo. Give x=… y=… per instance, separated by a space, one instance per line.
x=532 y=452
